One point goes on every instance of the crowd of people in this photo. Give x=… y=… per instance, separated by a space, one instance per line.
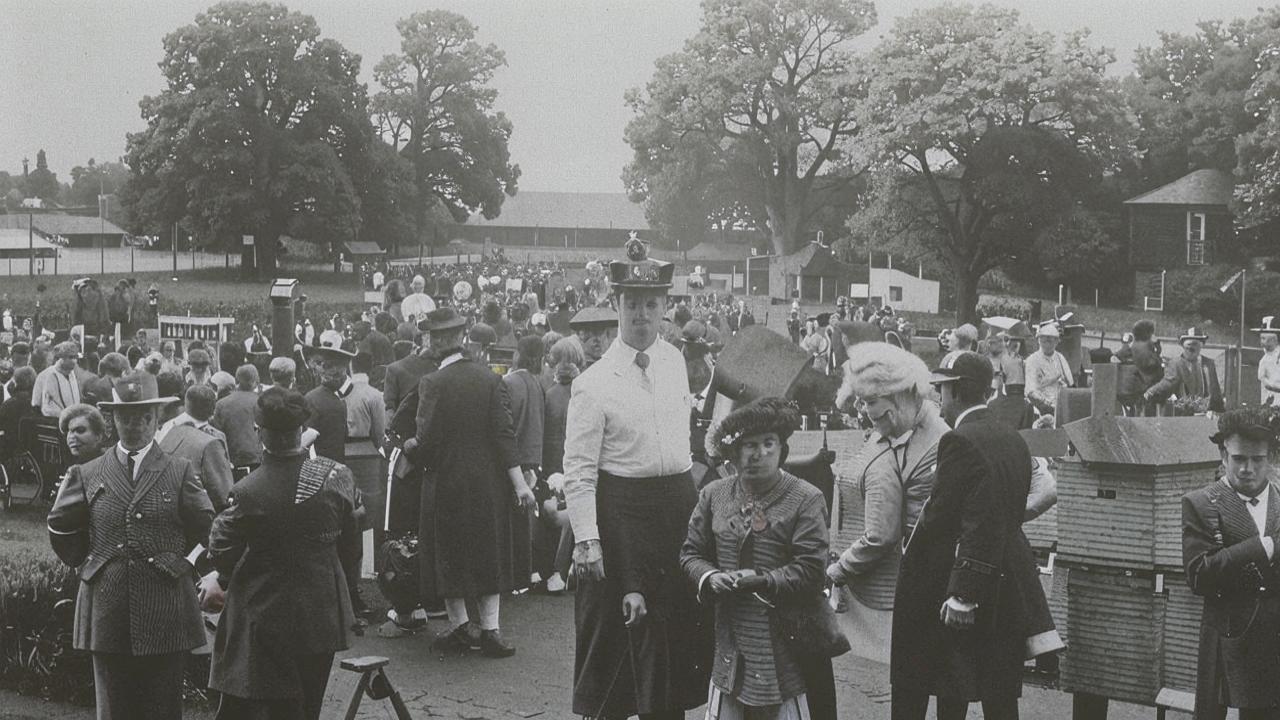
x=491 y=454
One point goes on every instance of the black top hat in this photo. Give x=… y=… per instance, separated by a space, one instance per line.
x=441 y=319
x=638 y=271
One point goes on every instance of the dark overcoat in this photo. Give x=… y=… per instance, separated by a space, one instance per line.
x=966 y=544
x=466 y=444
x=279 y=546
x=137 y=591
x=1240 y=628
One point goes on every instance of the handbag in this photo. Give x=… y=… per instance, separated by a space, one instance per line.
x=809 y=627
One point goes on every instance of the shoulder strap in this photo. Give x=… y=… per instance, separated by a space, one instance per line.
x=312 y=476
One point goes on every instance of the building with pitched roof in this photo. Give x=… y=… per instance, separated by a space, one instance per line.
x=75 y=230
x=558 y=219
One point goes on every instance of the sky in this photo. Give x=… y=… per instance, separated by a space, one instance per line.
x=73 y=71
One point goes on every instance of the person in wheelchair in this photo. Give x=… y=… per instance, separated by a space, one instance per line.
x=85 y=430
x=13 y=410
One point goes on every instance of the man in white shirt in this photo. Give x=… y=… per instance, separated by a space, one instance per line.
x=1047 y=371
x=641 y=641
x=57 y=387
x=1269 y=365
x=1229 y=533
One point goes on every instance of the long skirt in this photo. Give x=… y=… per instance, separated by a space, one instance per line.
x=664 y=663
x=870 y=631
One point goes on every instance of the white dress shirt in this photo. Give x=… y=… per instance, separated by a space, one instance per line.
x=1046 y=376
x=1258 y=513
x=123 y=456
x=1269 y=374
x=58 y=392
x=625 y=421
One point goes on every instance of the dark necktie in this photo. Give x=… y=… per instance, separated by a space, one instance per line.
x=130 y=462
x=1253 y=501
x=642 y=360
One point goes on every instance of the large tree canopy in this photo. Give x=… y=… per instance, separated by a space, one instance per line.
x=436 y=109
x=742 y=122
x=263 y=129
x=985 y=131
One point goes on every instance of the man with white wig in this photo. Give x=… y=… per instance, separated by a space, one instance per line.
x=878 y=502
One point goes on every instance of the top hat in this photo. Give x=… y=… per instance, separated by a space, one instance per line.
x=136 y=389
x=1269 y=325
x=1192 y=333
x=638 y=271
x=441 y=319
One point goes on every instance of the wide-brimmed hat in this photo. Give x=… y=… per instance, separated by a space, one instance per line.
x=594 y=317
x=699 y=335
x=1269 y=325
x=638 y=271
x=1192 y=333
x=198 y=357
x=760 y=416
x=441 y=319
x=330 y=347
x=965 y=366
x=1050 y=330
x=136 y=389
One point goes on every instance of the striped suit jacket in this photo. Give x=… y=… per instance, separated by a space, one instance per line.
x=137 y=591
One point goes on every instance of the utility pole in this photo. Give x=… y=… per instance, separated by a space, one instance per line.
x=174 y=246
x=102 y=228
x=31 y=245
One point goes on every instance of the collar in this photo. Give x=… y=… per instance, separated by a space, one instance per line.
x=1262 y=496
x=455 y=357
x=360 y=378
x=627 y=354
x=121 y=453
x=965 y=414
x=347 y=387
x=903 y=439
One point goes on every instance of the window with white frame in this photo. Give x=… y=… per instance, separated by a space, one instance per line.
x=1195 y=238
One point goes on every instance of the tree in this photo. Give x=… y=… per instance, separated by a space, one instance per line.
x=41 y=182
x=92 y=179
x=436 y=110
x=985 y=131
x=1258 y=148
x=263 y=129
x=746 y=117
x=1190 y=95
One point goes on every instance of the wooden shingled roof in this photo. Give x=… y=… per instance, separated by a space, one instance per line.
x=1149 y=442
x=1202 y=187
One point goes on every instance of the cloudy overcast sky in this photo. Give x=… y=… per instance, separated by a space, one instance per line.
x=72 y=71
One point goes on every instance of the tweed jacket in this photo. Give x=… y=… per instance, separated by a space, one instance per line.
x=234 y=416
x=1227 y=565
x=752 y=661
x=208 y=457
x=1178 y=378
x=137 y=591
x=888 y=488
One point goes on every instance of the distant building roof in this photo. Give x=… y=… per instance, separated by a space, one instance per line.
x=363 y=247
x=1202 y=187
x=14 y=243
x=711 y=251
x=567 y=210
x=56 y=224
x=814 y=260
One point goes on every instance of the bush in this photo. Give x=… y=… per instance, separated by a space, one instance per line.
x=37 y=600
x=1194 y=291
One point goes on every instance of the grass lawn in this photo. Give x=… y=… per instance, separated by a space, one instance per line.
x=23 y=530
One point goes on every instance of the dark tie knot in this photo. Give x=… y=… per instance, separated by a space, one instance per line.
x=642 y=360
x=1253 y=501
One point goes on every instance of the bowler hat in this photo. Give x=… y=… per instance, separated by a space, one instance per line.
x=441 y=319
x=136 y=389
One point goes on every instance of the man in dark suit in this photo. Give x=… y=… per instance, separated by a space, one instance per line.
x=1190 y=375
x=959 y=620
x=127 y=519
x=472 y=489
x=233 y=415
x=1230 y=533
x=403 y=375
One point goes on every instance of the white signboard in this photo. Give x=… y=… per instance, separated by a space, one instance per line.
x=859 y=290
